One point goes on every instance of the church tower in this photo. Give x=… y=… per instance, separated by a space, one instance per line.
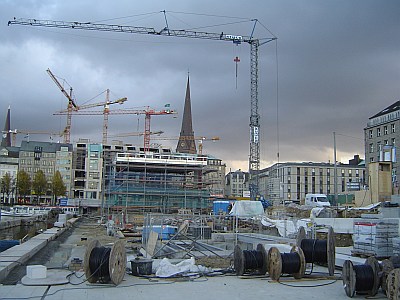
x=6 y=139
x=186 y=143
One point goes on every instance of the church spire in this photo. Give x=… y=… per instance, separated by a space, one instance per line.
x=6 y=140
x=186 y=142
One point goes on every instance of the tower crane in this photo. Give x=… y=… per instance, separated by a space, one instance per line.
x=199 y=139
x=14 y=133
x=71 y=105
x=106 y=110
x=147 y=111
x=255 y=43
x=126 y=134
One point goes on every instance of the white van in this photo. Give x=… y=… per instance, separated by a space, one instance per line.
x=317 y=200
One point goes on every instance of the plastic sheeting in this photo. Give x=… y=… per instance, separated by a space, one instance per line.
x=247 y=209
x=167 y=269
x=287 y=228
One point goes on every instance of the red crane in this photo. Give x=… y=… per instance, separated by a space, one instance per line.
x=147 y=111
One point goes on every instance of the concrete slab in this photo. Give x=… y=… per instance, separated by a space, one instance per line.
x=19 y=291
x=53 y=277
x=6 y=268
x=221 y=287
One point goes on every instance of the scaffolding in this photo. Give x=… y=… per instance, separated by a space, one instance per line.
x=158 y=182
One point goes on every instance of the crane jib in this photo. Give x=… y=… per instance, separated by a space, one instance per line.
x=133 y=29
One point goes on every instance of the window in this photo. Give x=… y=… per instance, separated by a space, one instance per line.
x=386 y=142
x=378 y=146
x=371 y=148
x=385 y=130
x=393 y=128
x=370 y=134
x=393 y=141
x=378 y=131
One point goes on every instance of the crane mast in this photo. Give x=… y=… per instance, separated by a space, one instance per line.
x=254 y=157
x=71 y=106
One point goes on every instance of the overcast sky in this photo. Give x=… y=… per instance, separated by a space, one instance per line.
x=335 y=64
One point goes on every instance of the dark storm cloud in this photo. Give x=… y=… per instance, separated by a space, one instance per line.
x=338 y=65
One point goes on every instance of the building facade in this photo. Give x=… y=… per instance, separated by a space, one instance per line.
x=157 y=180
x=380 y=137
x=47 y=157
x=214 y=176
x=87 y=171
x=237 y=184
x=9 y=165
x=290 y=182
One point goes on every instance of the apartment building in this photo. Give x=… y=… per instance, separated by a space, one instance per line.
x=237 y=184
x=48 y=157
x=380 y=137
x=291 y=181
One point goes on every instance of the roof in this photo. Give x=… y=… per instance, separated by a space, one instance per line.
x=46 y=147
x=394 y=107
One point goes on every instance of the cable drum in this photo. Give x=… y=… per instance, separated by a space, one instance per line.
x=98 y=264
x=105 y=265
x=387 y=266
x=363 y=279
x=292 y=263
x=318 y=251
x=250 y=260
x=393 y=285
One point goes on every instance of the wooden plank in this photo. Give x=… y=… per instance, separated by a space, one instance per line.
x=152 y=243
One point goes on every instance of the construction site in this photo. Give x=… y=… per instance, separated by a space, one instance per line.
x=150 y=216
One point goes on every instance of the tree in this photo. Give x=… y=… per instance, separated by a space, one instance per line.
x=6 y=185
x=40 y=184
x=24 y=183
x=58 y=186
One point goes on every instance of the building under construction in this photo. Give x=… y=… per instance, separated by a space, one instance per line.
x=157 y=181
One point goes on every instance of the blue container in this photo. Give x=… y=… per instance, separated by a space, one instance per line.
x=164 y=231
x=221 y=207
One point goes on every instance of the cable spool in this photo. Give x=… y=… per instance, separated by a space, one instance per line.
x=292 y=263
x=103 y=264
x=254 y=260
x=318 y=251
x=387 y=266
x=393 y=285
x=363 y=279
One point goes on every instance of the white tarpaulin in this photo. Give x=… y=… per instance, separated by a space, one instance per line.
x=167 y=269
x=247 y=209
x=287 y=228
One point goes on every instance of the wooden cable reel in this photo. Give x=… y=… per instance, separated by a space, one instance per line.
x=253 y=260
x=276 y=263
x=393 y=285
x=116 y=262
x=301 y=241
x=387 y=266
x=353 y=282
